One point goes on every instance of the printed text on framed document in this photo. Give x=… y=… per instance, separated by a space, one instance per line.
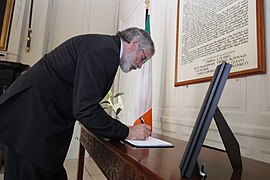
x=210 y=32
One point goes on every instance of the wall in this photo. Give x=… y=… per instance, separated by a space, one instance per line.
x=245 y=102
x=16 y=51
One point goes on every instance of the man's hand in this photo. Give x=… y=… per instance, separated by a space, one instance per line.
x=139 y=132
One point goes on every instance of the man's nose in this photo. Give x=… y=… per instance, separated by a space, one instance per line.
x=140 y=65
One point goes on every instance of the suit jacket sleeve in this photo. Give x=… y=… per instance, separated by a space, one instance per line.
x=94 y=75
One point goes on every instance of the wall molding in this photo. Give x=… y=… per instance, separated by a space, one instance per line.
x=260 y=132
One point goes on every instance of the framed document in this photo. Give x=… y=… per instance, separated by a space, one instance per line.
x=6 y=9
x=210 y=32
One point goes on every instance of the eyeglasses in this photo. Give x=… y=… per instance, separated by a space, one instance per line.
x=144 y=59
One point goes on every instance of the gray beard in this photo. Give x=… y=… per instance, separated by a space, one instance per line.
x=126 y=66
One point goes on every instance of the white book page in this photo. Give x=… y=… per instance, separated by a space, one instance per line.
x=149 y=142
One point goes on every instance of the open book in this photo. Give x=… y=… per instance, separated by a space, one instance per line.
x=150 y=142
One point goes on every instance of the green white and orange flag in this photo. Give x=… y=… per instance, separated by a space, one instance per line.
x=143 y=104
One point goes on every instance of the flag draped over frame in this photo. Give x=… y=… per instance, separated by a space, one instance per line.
x=143 y=106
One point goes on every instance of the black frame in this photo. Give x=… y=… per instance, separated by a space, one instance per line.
x=209 y=110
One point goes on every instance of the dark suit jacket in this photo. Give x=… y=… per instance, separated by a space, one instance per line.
x=38 y=111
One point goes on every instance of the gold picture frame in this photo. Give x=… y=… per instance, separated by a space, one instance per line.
x=6 y=15
x=239 y=39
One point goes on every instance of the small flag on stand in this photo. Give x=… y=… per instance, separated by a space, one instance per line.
x=143 y=106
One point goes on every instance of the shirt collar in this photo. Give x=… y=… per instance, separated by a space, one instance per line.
x=121 y=49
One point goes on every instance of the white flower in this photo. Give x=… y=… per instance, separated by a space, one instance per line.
x=115 y=107
x=118 y=105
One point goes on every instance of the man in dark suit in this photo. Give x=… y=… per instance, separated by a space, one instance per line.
x=38 y=111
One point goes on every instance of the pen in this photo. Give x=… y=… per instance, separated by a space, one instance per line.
x=142 y=120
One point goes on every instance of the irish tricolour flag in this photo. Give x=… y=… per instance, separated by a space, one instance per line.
x=143 y=106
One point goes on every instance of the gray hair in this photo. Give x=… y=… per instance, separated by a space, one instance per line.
x=144 y=39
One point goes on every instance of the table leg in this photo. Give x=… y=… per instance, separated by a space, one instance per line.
x=80 y=163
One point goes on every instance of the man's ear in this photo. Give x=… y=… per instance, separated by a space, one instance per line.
x=133 y=45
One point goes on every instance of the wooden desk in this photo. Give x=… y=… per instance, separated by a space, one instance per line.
x=122 y=161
